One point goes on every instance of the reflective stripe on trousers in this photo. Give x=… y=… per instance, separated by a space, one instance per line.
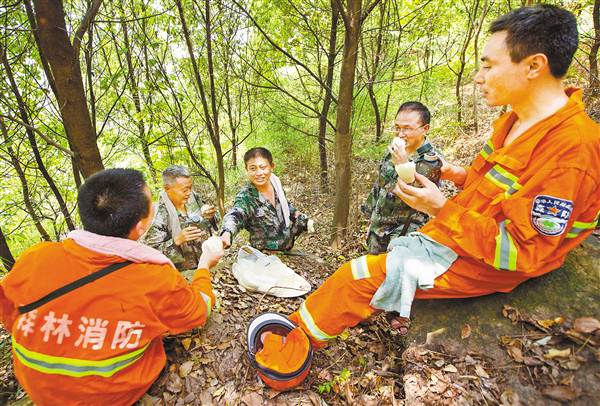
x=49 y=364
x=208 y=303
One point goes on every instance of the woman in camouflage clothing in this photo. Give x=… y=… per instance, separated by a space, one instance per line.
x=262 y=208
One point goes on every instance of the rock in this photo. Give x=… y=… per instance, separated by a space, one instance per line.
x=571 y=292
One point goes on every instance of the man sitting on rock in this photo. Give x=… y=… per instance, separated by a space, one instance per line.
x=530 y=196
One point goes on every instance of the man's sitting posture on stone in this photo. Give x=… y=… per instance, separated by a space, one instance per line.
x=389 y=216
x=182 y=221
x=530 y=196
x=100 y=342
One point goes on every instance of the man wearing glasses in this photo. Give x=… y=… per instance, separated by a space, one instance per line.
x=389 y=216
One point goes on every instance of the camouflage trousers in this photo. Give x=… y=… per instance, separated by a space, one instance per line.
x=377 y=244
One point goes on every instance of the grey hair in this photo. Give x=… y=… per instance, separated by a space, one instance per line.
x=171 y=173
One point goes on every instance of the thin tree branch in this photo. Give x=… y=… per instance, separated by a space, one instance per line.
x=85 y=23
x=40 y=133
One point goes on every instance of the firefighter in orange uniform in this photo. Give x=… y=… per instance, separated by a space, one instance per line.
x=82 y=338
x=530 y=196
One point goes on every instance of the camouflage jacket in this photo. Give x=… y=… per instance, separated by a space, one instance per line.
x=160 y=236
x=388 y=213
x=265 y=223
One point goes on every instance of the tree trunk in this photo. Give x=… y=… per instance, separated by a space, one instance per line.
x=335 y=16
x=210 y=123
x=594 y=82
x=215 y=135
x=33 y=142
x=343 y=136
x=372 y=74
x=480 y=22
x=24 y=185
x=55 y=46
x=50 y=78
x=472 y=15
x=5 y=255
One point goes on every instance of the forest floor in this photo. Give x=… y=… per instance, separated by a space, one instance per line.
x=367 y=365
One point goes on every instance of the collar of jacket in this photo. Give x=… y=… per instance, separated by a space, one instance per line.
x=515 y=156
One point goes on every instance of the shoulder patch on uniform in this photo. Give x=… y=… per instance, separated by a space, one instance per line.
x=550 y=215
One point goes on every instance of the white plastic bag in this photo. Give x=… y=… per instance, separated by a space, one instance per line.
x=258 y=272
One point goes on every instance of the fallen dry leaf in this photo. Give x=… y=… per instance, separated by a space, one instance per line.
x=174 y=384
x=219 y=392
x=480 y=371
x=568 y=381
x=546 y=323
x=185 y=368
x=511 y=313
x=586 y=325
x=532 y=362
x=561 y=393
x=252 y=399
x=465 y=332
x=572 y=364
x=543 y=341
x=186 y=342
x=450 y=368
x=431 y=335
x=515 y=353
x=509 y=398
x=554 y=353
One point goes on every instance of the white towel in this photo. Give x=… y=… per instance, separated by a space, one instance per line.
x=171 y=214
x=282 y=199
x=413 y=261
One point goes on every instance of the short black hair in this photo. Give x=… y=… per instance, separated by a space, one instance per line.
x=419 y=108
x=112 y=201
x=543 y=28
x=258 y=152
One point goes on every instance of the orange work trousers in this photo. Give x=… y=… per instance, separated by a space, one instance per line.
x=343 y=300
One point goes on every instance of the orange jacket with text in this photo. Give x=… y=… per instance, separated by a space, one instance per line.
x=523 y=207
x=102 y=343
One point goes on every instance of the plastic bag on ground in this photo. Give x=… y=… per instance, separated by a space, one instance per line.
x=258 y=272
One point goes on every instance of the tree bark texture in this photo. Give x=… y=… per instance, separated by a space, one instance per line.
x=56 y=48
x=343 y=136
x=594 y=81
x=331 y=54
x=212 y=131
x=5 y=255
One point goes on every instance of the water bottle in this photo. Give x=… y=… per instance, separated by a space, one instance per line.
x=430 y=166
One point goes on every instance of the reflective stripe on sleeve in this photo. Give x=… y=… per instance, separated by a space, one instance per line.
x=49 y=364
x=208 y=302
x=488 y=148
x=506 y=251
x=503 y=179
x=313 y=329
x=579 y=227
x=360 y=269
